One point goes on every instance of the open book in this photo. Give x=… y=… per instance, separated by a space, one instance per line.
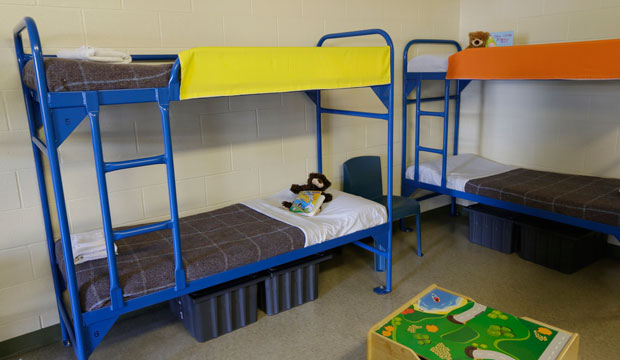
x=307 y=202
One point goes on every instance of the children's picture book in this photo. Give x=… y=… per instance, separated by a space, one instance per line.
x=504 y=38
x=307 y=202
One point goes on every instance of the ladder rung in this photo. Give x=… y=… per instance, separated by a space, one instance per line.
x=427 y=149
x=432 y=113
x=439 y=98
x=120 y=165
x=121 y=234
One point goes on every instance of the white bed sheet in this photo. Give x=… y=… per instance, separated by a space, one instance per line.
x=428 y=63
x=345 y=214
x=460 y=169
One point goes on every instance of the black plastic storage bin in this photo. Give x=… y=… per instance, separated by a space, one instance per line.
x=493 y=228
x=218 y=310
x=559 y=246
x=291 y=285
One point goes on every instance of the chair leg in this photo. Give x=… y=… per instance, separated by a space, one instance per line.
x=379 y=260
x=403 y=228
x=419 y=234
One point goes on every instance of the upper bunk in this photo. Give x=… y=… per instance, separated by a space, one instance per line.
x=583 y=60
x=224 y=71
x=206 y=71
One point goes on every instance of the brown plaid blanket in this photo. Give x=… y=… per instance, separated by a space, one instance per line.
x=82 y=75
x=587 y=197
x=211 y=242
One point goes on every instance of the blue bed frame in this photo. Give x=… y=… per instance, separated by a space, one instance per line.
x=59 y=113
x=413 y=81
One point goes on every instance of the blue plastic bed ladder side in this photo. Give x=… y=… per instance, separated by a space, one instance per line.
x=71 y=328
x=382 y=242
x=413 y=81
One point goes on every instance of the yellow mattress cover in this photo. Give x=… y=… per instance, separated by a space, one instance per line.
x=226 y=71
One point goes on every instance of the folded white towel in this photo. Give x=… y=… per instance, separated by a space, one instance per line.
x=95 y=54
x=89 y=246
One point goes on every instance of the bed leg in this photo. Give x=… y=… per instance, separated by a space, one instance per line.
x=384 y=263
x=66 y=341
x=418 y=229
x=453 y=211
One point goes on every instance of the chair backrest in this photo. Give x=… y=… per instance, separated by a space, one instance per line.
x=362 y=177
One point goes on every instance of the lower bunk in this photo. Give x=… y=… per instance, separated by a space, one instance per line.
x=585 y=201
x=218 y=246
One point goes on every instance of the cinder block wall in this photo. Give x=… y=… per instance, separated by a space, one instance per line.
x=563 y=126
x=226 y=149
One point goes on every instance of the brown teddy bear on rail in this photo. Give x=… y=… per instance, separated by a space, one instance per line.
x=478 y=39
x=316 y=182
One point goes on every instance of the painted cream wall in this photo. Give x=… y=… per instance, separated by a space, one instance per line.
x=226 y=149
x=558 y=126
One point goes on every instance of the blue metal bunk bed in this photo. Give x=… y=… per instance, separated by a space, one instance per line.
x=59 y=113
x=413 y=81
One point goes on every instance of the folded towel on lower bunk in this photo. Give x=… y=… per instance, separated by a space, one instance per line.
x=89 y=246
x=95 y=54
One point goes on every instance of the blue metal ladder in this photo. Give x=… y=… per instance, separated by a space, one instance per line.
x=414 y=80
x=91 y=103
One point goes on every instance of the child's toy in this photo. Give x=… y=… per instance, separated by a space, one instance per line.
x=438 y=324
x=308 y=202
x=316 y=181
x=478 y=39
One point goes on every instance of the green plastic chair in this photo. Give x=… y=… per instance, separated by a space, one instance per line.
x=362 y=177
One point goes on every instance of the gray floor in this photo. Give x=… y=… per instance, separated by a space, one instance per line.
x=334 y=326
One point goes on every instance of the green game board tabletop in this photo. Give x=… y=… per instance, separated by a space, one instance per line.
x=442 y=325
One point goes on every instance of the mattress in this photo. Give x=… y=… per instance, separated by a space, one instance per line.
x=217 y=241
x=82 y=75
x=460 y=169
x=428 y=63
x=584 y=60
x=587 y=197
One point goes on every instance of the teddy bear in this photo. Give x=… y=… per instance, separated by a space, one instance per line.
x=316 y=182
x=478 y=39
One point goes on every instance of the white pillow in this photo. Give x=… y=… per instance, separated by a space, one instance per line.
x=428 y=63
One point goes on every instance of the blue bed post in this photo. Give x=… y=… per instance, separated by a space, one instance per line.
x=383 y=242
x=32 y=125
x=50 y=148
x=455 y=149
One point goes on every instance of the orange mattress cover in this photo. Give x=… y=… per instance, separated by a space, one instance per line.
x=585 y=60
